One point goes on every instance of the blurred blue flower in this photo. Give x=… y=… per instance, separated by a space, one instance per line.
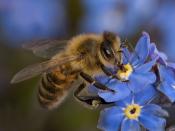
x=96 y=6
x=129 y=17
x=100 y=15
x=164 y=21
x=34 y=19
x=133 y=112
x=124 y=17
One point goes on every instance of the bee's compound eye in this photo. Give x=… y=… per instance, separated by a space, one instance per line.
x=107 y=51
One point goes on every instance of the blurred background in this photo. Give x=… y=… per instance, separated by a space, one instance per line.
x=25 y=20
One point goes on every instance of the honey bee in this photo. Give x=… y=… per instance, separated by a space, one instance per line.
x=83 y=56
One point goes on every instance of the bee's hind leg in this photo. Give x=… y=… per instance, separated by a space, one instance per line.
x=90 y=101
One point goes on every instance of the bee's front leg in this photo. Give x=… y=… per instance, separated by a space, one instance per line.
x=108 y=73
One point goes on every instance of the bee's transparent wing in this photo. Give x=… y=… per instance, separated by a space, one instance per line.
x=36 y=69
x=46 y=48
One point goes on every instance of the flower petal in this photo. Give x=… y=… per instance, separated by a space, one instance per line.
x=134 y=60
x=166 y=74
x=152 y=122
x=130 y=125
x=168 y=90
x=126 y=55
x=155 y=109
x=162 y=58
x=121 y=89
x=138 y=81
x=153 y=52
x=171 y=65
x=149 y=93
x=146 y=67
x=123 y=103
x=141 y=49
x=100 y=78
x=110 y=119
x=152 y=48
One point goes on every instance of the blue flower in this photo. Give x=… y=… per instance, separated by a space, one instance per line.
x=133 y=112
x=122 y=16
x=134 y=75
x=140 y=75
x=164 y=22
x=33 y=19
x=166 y=82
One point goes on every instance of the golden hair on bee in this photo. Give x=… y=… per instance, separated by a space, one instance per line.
x=89 y=46
x=86 y=45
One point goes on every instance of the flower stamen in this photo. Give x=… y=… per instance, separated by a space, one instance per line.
x=132 y=111
x=124 y=72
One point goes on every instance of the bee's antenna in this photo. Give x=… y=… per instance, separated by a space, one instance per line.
x=126 y=42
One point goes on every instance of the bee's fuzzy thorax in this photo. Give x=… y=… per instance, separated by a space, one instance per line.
x=86 y=45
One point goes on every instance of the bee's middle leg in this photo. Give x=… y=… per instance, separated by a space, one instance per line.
x=92 y=101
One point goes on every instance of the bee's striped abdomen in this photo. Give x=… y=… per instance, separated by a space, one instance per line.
x=53 y=88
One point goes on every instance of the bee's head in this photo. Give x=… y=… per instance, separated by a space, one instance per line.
x=110 y=49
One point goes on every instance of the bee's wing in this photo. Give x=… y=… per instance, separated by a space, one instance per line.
x=46 y=48
x=36 y=69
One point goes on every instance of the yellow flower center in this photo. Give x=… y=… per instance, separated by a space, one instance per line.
x=125 y=72
x=132 y=111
